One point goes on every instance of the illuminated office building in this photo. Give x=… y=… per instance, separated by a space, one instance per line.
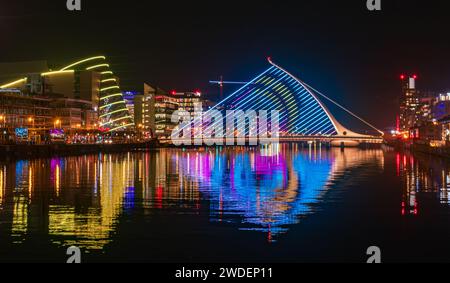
x=144 y=110
x=187 y=101
x=39 y=114
x=89 y=80
x=409 y=103
x=165 y=106
x=128 y=96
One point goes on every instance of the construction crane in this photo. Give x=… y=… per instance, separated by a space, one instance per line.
x=221 y=83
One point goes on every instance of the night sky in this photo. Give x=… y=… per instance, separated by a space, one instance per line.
x=352 y=55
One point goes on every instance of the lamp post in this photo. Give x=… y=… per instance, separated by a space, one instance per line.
x=57 y=122
x=31 y=122
x=3 y=120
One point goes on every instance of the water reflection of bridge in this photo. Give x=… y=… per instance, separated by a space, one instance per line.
x=81 y=200
x=269 y=190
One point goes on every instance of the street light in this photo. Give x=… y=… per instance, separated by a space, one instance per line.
x=31 y=121
x=57 y=122
x=3 y=120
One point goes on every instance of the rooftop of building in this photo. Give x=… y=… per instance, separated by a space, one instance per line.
x=12 y=70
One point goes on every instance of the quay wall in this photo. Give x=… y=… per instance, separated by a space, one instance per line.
x=49 y=150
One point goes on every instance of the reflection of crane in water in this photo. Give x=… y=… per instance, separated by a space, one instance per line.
x=221 y=83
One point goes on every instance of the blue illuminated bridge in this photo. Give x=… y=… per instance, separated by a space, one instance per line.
x=302 y=115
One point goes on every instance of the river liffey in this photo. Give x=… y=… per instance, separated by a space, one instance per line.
x=240 y=204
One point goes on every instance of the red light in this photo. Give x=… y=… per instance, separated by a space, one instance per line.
x=173 y=92
x=402 y=77
x=415 y=77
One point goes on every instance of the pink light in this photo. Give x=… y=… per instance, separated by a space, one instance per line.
x=415 y=77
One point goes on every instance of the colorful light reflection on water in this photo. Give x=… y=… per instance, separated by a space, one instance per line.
x=269 y=192
x=82 y=200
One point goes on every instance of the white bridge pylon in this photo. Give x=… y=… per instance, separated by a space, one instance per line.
x=302 y=115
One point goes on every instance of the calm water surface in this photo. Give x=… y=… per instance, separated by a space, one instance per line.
x=276 y=204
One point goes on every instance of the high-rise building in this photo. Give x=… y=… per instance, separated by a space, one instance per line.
x=409 y=103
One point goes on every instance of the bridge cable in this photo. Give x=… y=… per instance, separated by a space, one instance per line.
x=345 y=109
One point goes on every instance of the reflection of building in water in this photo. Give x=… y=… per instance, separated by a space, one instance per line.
x=268 y=191
x=91 y=225
x=78 y=200
x=81 y=203
x=2 y=184
x=170 y=187
x=420 y=175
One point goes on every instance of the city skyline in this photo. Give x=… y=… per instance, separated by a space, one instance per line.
x=184 y=48
x=262 y=134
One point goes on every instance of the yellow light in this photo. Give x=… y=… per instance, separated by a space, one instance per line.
x=57 y=73
x=109 y=80
x=106 y=72
x=123 y=126
x=111 y=104
x=109 y=96
x=30 y=119
x=97 y=66
x=83 y=61
x=113 y=121
x=120 y=110
x=108 y=88
x=14 y=83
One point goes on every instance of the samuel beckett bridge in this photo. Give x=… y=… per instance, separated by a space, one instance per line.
x=302 y=115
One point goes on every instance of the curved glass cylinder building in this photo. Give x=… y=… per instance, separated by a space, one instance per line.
x=113 y=112
x=90 y=79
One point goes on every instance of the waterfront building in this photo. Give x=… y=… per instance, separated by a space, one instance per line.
x=38 y=115
x=426 y=132
x=90 y=79
x=187 y=101
x=128 y=96
x=417 y=107
x=441 y=106
x=144 y=111
x=75 y=114
x=409 y=103
x=165 y=106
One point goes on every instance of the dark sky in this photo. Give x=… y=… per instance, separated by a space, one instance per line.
x=353 y=55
